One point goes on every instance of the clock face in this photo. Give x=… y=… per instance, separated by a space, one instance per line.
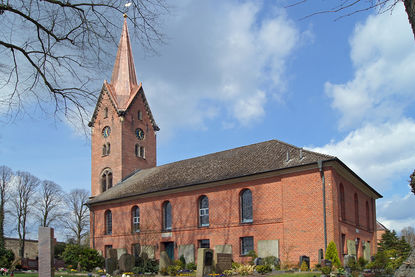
x=106 y=131
x=139 y=133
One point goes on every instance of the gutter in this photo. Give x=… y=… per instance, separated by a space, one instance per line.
x=323 y=181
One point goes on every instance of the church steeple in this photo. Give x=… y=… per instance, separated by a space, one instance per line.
x=123 y=79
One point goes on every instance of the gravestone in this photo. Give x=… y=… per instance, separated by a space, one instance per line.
x=204 y=262
x=320 y=255
x=305 y=259
x=222 y=262
x=366 y=251
x=351 y=247
x=258 y=261
x=226 y=248
x=113 y=253
x=164 y=260
x=110 y=265
x=268 y=248
x=188 y=252
x=46 y=251
x=149 y=249
x=126 y=263
x=120 y=252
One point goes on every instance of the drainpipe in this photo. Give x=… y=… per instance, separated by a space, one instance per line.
x=323 y=181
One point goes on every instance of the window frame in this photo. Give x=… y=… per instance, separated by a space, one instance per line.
x=203 y=211
x=108 y=222
x=200 y=243
x=356 y=209
x=242 y=207
x=342 y=203
x=243 y=241
x=166 y=213
x=135 y=219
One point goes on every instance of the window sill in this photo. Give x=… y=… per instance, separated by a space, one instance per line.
x=204 y=226
x=247 y=222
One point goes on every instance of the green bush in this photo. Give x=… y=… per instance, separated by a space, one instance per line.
x=191 y=266
x=272 y=261
x=138 y=270
x=332 y=254
x=228 y=272
x=163 y=271
x=183 y=260
x=6 y=257
x=179 y=263
x=361 y=262
x=326 y=270
x=263 y=269
x=88 y=258
x=173 y=269
x=304 y=266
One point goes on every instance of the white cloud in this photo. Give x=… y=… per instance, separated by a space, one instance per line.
x=397 y=212
x=383 y=54
x=377 y=153
x=216 y=64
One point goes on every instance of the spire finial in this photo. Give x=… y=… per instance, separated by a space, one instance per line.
x=124 y=15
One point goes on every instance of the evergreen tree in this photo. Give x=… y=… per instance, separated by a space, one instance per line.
x=332 y=254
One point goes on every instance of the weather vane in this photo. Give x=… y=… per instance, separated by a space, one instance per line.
x=127 y=6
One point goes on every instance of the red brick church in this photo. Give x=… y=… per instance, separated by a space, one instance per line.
x=272 y=197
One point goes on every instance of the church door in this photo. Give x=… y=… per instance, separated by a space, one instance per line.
x=169 y=246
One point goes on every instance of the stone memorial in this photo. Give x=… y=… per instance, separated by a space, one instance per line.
x=188 y=252
x=113 y=253
x=204 y=262
x=164 y=260
x=149 y=249
x=120 y=252
x=126 y=263
x=110 y=265
x=351 y=247
x=320 y=255
x=222 y=262
x=46 y=251
x=226 y=248
x=366 y=250
x=258 y=261
x=268 y=248
x=305 y=259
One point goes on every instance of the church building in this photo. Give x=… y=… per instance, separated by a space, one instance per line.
x=271 y=197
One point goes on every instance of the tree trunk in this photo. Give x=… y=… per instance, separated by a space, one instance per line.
x=410 y=10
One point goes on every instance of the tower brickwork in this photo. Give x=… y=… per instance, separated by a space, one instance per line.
x=123 y=130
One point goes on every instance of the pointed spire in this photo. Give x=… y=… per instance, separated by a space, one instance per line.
x=123 y=77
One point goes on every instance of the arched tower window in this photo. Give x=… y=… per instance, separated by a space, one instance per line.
x=342 y=203
x=246 y=206
x=367 y=216
x=104 y=150
x=203 y=211
x=356 y=209
x=106 y=112
x=140 y=115
x=106 y=179
x=108 y=222
x=142 y=152
x=108 y=148
x=167 y=216
x=135 y=216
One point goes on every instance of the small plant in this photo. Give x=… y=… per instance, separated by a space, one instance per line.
x=326 y=270
x=228 y=272
x=332 y=254
x=173 y=269
x=191 y=266
x=263 y=269
x=245 y=269
x=163 y=271
x=235 y=265
x=179 y=263
x=304 y=266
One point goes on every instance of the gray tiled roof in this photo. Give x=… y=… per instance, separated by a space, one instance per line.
x=242 y=161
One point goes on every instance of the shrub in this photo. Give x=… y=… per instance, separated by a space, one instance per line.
x=191 y=266
x=332 y=254
x=88 y=258
x=304 y=266
x=263 y=269
x=245 y=269
x=173 y=269
x=273 y=261
x=228 y=272
x=326 y=270
x=183 y=260
x=361 y=263
x=6 y=257
x=163 y=271
x=235 y=265
x=179 y=263
x=138 y=270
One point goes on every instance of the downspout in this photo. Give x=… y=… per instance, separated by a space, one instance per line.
x=323 y=181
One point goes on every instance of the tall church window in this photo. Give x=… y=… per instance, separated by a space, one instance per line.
x=140 y=115
x=142 y=152
x=247 y=244
x=106 y=179
x=356 y=209
x=106 y=112
x=108 y=148
x=246 y=206
x=342 y=203
x=135 y=215
x=104 y=150
x=203 y=211
x=108 y=222
x=167 y=216
x=367 y=216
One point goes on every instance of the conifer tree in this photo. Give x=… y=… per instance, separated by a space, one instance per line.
x=332 y=254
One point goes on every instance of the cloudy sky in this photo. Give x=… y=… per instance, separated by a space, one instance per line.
x=233 y=73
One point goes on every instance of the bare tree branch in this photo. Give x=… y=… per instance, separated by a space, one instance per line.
x=78 y=221
x=5 y=179
x=49 y=203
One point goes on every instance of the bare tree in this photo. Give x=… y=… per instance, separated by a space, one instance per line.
x=22 y=199
x=5 y=179
x=349 y=7
x=51 y=48
x=78 y=221
x=409 y=234
x=49 y=203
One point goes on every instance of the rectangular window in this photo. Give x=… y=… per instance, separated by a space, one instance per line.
x=343 y=244
x=204 y=243
x=247 y=244
x=107 y=250
x=135 y=250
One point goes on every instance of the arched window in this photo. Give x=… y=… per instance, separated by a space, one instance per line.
x=108 y=148
x=104 y=150
x=106 y=179
x=356 y=209
x=135 y=215
x=140 y=115
x=106 y=112
x=108 y=222
x=246 y=206
x=167 y=216
x=142 y=152
x=342 y=203
x=367 y=216
x=203 y=211
x=137 y=150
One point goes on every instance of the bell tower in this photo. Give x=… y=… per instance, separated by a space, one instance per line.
x=123 y=130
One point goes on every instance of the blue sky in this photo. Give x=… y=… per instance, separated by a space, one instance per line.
x=233 y=73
